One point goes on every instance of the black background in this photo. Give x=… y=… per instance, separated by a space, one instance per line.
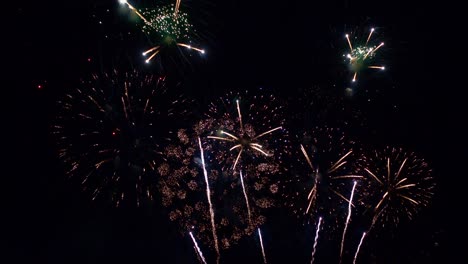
x=284 y=46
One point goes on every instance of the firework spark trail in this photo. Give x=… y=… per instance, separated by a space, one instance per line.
x=213 y=226
x=312 y=193
x=307 y=157
x=316 y=240
x=156 y=51
x=349 y=42
x=261 y=244
x=370 y=34
x=246 y=198
x=337 y=164
x=176 y=9
x=133 y=9
x=376 y=67
x=267 y=132
x=240 y=116
x=359 y=247
x=347 y=220
x=237 y=159
x=199 y=252
x=202 y=51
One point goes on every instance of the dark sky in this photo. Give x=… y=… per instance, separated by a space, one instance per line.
x=285 y=46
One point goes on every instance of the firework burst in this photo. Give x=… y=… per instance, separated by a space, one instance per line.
x=183 y=192
x=361 y=55
x=241 y=196
x=167 y=25
x=399 y=184
x=246 y=132
x=324 y=190
x=109 y=133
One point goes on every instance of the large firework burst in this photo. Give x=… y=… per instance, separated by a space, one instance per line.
x=109 y=132
x=240 y=196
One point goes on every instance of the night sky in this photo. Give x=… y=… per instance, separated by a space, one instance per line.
x=283 y=47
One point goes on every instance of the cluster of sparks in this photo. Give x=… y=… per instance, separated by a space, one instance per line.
x=360 y=55
x=169 y=23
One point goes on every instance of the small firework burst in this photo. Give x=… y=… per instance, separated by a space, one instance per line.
x=166 y=25
x=246 y=131
x=323 y=191
x=362 y=55
x=399 y=184
x=109 y=135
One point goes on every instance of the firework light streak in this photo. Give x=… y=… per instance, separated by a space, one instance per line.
x=359 y=55
x=240 y=116
x=312 y=194
x=213 y=226
x=246 y=198
x=176 y=9
x=347 y=220
x=199 y=252
x=261 y=245
x=359 y=247
x=370 y=34
x=316 y=240
x=125 y=2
